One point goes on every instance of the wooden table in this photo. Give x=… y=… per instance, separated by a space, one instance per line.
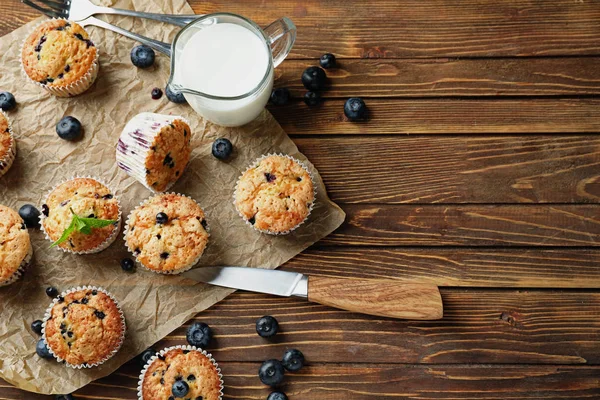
x=479 y=170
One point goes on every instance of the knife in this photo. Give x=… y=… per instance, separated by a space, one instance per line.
x=381 y=297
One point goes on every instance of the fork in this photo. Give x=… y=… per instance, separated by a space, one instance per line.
x=78 y=10
x=157 y=45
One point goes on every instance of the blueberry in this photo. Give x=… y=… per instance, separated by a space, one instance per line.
x=30 y=215
x=271 y=372
x=312 y=98
x=180 y=389
x=156 y=93
x=162 y=218
x=146 y=356
x=127 y=264
x=69 y=128
x=313 y=78
x=42 y=350
x=7 y=101
x=64 y=397
x=277 y=396
x=174 y=96
x=222 y=148
x=142 y=56
x=36 y=326
x=355 y=109
x=327 y=61
x=51 y=291
x=280 y=96
x=199 y=334
x=293 y=360
x=267 y=326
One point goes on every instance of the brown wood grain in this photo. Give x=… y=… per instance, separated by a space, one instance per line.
x=469 y=225
x=450 y=77
x=452 y=169
x=434 y=116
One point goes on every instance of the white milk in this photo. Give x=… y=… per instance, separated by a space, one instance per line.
x=226 y=60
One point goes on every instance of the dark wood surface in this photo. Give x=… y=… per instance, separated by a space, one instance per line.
x=479 y=171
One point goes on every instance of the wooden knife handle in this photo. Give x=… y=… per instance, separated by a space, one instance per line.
x=385 y=298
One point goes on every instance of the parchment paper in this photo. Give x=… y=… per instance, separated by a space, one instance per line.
x=154 y=305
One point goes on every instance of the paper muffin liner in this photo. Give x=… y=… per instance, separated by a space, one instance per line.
x=178 y=271
x=165 y=351
x=21 y=270
x=48 y=313
x=104 y=245
x=73 y=88
x=8 y=159
x=132 y=150
x=253 y=165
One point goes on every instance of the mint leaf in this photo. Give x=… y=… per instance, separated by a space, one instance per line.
x=83 y=225
x=97 y=223
x=66 y=233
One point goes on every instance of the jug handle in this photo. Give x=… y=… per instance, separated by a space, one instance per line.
x=281 y=35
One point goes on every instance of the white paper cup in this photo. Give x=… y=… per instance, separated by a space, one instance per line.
x=48 y=314
x=21 y=270
x=7 y=161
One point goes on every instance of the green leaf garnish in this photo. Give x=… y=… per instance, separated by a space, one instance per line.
x=83 y=225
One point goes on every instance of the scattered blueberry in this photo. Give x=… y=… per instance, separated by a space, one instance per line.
x=222 y=148
x=277 y=396
x=146 y=356
x=36 y=326
x=180 y=389
x=51 y=291
x=280 y=96
x=157 y=93
x=162 y=218
x=267 y=326
x=271 y=372
x=312 y=98
x=199 y=334
x=30 y=215
x=42 y=350
x=64 y=397
x=142 y=56
x=7 y=101
x=355 y=109
x=174 y=96
x=313 y=78
x=127 y=264
x=327 y=61
x=69 y=128
x=293 y=360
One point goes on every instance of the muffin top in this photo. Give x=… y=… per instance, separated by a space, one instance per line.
x=275 y=195
x=5 y=136
x=84 y=327
x=87 y=198
x=191 y=366
x=167 y=233
x=58 y=53
x=14 y=242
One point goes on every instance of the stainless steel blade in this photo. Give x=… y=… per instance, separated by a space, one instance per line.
x=279 y=283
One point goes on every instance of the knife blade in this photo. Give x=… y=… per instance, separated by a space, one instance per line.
x=382 y=297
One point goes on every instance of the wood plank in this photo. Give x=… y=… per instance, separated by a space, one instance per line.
x=376 y=381
x=446 y=116
x=469 y=225
x=436 y=28
x=465 y=267
x=450 y=77
x=464 y=169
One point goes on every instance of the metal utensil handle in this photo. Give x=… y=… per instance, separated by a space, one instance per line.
x=179 y=20
x=162 y=47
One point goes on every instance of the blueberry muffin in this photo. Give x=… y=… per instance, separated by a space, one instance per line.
x=275 y=195
x=87 y=198
x=155 y=149
x=84 y=327
x=197 y=373
x=60 y=57
x=167 y=233
x=15 y=246
x=8 y=147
